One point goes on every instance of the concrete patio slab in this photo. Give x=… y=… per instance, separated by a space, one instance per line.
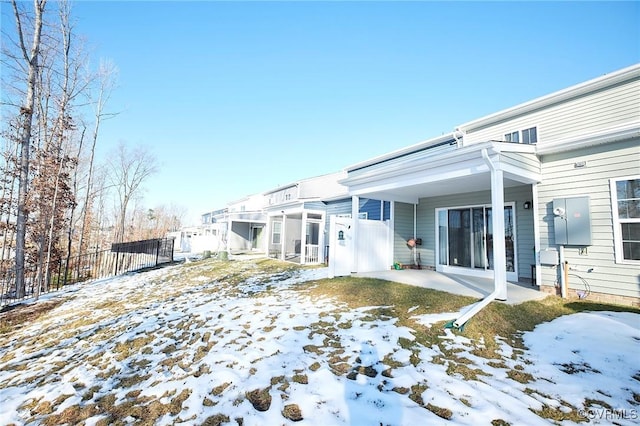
x=457 y=284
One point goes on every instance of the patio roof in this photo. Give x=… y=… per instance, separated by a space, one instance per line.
x=424 y=173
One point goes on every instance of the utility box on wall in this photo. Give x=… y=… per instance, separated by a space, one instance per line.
x=572 y=221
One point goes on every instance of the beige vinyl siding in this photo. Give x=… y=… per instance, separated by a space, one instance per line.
x=403 y=230
x=563 y=179
x=583 y=115
x=524 y=222
x=527 y=162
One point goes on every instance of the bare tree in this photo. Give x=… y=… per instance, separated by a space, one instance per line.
x=106 y=77
x=127 y=171
x=31 y=58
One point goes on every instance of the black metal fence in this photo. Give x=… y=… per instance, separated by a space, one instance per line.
x=122 y=258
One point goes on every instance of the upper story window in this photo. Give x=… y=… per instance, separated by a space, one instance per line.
x=625 y=197
x=530 y=135
x=512 y=137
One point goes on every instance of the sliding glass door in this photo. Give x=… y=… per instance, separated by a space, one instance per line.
x=466 y=238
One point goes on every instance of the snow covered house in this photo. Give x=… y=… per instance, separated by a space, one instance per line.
x=546 y=192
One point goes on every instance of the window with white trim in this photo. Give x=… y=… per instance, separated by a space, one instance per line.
x=512 y=137
x=625 y=197
x=277 y=232
x=530 y=135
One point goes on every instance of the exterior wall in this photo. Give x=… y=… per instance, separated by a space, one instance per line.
x=323 y=186
x=426 y=223
x=240 y=236
x=582 y=115
x=563 y=179
x=339 y=207
x=251 y=203
x=284 y=195
x=527 y=162
x=371 y=207
x=403 y=231
x=314 y=205
x=293 y=235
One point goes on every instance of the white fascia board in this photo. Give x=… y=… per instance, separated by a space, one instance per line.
x=425 y=176
x=617 y=134
x=590 y=86
x=418 y=165
x=402 y=151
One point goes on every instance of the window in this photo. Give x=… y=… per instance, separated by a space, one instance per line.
x=277 y=231
x=625 y=196
x=530 y=135
x=512 y=137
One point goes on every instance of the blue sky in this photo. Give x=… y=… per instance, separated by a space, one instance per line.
x=237 y=98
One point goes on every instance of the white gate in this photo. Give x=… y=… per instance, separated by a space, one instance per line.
x=370 y=248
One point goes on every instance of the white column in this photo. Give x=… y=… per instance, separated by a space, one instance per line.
x=499 y=251
x=321 y=242
x=303 y=239
x=355 y=210
x=283 y=240
x=392 y=231
x=537 y=280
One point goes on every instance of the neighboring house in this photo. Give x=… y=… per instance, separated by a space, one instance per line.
x=242 y=225
x=547 y=191
x=296 y=217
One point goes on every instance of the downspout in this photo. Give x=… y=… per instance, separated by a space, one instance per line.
x=415 y=214
x=500 y=290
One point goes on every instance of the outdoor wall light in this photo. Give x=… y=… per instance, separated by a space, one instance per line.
x=527 y=205
x=340 y=235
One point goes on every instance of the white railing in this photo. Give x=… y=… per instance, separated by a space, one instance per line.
x=311 y=253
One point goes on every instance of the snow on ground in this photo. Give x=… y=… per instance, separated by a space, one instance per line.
x=203 y=344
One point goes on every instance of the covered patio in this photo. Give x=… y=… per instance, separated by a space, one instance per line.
x=457 y=284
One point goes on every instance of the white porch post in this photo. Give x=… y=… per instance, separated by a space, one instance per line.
x=355 y=211
x=536 y=236
x=499 y=251
x=283 y=239
x=303 y=239
x=321 y=242
x=228 y=245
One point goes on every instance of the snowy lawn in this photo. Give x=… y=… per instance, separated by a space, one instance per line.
x=264 y=343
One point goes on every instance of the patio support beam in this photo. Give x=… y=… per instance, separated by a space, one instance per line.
x=355 y=212
x=283 y=237
x=303 y=239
